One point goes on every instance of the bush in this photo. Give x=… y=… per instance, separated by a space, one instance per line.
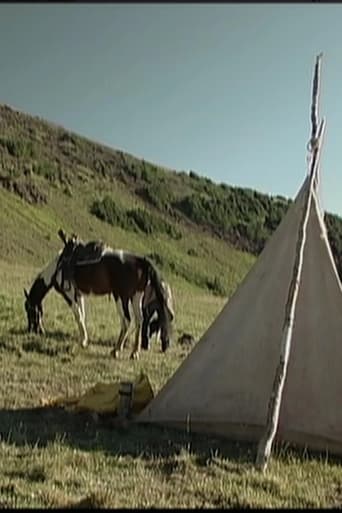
x=194 y=175
x=108 y=211
x=143 y=220
x=134 y=219
x=47 y=170
x=25 y=188
x=18 y=148
x=158 y=196
x=243 y=216
x=149 y=223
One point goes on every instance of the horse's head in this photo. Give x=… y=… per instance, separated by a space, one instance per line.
x=150 y=296
x=166 y=327
x=34 y=313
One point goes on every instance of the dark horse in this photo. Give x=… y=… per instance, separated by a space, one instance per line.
x=153 y=318
x=93 y=268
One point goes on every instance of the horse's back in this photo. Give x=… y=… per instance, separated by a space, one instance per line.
x=89 y=252
x=125 y=272
x=118 y=272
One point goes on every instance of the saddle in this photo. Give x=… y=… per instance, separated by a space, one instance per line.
x=75 y=253
x=88 y=253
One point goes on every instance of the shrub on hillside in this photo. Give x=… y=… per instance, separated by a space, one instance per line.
x=47 y=170
x=107 y=210
x=149 y=173
x=205 y=210
x=150 y=223
x=18 y=147
x=243 y=216
x=194 y=175
x=25 y=188
x=134 y=219
x=158 y=196
x=143 y=220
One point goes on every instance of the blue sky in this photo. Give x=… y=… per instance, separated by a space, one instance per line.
x=220 y=89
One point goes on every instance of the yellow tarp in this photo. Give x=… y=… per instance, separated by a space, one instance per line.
x=104 y=397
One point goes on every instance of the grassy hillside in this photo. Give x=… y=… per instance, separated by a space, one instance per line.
x=50 y=178
x=204 y=238
x=56 y=171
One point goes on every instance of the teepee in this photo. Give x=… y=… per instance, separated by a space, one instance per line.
x=270 y=365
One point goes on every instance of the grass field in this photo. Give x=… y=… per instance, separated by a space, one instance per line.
x=55 y=458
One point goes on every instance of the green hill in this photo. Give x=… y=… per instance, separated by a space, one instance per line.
x=199 y=231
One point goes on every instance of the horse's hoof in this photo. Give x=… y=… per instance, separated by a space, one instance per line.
x=135 y=355
x=84 y=343
x=114 y=353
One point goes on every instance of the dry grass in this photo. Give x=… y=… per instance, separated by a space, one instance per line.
x=52 y=458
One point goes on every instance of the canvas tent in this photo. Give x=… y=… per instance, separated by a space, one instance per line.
x=270 y=365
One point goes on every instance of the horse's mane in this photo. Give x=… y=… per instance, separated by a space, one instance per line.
x=41 y=273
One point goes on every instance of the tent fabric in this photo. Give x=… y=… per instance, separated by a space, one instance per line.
x=104 y=398
x=224 y=385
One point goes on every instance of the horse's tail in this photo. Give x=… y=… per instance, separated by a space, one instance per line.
x=156 y=283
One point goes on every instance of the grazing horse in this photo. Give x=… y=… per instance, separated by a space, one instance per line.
x=93 y=268
x=152 y=317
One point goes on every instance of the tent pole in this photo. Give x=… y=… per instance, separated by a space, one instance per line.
x=266 y=442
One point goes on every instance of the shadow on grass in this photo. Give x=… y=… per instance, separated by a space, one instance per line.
x=42 y=426
x=60 y=335
x=53 y=334
x=110 y=342
x=18 y=331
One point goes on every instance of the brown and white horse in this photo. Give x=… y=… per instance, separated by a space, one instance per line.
x=121 y=274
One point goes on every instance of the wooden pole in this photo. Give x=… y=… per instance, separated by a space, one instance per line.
x=315 y=97
x=266 y=442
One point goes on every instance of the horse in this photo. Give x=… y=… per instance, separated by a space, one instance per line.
x=152 y=317
x=82 y=269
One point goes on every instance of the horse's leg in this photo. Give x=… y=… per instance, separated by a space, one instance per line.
x=122 y=309
x=138 y=317
x=155 y=329
x=84 y=329
x=78 y=310
x=145 y=329
x=41 y=328
x=76 y=302
x=129 y=331
x=164 y=338
x=144 y=335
